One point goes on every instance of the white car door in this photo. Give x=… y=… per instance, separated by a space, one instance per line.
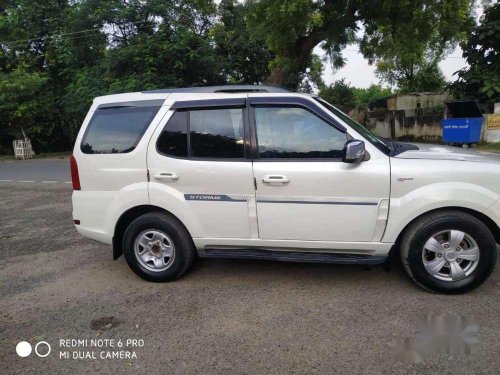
x=304 y=190
x=199 y=170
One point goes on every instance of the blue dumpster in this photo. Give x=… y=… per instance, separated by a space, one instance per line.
x=465 y=124
x=462 y=130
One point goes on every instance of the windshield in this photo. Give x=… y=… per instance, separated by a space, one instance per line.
x=372 y=138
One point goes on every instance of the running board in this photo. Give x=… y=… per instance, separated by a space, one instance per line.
x=292 y=256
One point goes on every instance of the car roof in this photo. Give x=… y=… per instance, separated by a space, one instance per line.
x=226 y=89
x=211 y=92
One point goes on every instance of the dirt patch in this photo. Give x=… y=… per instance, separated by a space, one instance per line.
x=104 y=323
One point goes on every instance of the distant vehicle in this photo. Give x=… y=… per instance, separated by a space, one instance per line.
x=259 y=172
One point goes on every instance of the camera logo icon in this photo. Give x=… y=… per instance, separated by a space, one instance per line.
x=24 y=349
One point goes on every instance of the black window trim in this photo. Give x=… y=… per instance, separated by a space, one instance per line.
x=209 y=103
x=294 y=103
x=193 y=105
x=137 y=103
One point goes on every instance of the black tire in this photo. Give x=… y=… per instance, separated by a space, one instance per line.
x=184 y=247
x=417 y=234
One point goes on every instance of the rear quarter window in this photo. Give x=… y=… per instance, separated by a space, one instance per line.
x=117 y=129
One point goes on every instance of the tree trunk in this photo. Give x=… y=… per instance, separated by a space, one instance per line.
x=276 y=76
x=298 y=60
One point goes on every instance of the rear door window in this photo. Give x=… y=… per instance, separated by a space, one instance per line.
x=117 y=129
x=173 y=139
x=204 y=133
x=217 y=133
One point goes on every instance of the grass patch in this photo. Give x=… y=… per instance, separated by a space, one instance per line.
x=489 y=146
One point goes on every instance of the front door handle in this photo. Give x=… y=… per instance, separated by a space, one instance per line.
x=166 y=176
x=275 y=179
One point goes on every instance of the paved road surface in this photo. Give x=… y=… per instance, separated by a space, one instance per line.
x=224 y=317
x=36 y=170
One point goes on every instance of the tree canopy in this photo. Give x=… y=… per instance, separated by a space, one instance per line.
x=481 y=80
x=57 y=55
x=245 y=59
x=400 y=34
x=341 y=94
x=414 y=37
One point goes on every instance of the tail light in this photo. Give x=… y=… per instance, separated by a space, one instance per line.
x=75 y=178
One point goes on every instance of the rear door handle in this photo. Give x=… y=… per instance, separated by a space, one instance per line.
x=166 y=176
x=275 y=179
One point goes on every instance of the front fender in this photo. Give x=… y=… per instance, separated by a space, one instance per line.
x=405 y=209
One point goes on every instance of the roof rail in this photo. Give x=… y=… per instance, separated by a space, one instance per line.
x=236 y=89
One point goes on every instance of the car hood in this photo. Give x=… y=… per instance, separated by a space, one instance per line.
x=436 y=152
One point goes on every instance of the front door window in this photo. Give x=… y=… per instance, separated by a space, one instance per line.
x=296 y=133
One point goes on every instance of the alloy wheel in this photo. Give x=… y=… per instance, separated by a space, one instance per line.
x=450 y=255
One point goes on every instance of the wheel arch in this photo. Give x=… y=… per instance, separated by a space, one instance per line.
x=130 y=215
x=486 y=220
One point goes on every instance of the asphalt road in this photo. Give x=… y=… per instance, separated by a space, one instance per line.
x=223 y=317
x=35 y=170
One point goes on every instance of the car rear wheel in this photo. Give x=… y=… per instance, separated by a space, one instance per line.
x=448 y=252
x=157 y=247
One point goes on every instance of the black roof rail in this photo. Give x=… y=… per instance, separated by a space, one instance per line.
x=236 y=89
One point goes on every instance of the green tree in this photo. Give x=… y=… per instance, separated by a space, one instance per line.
x=312 y=79
x=57 y=55
x=419 y=77
x=74 y=51
x=391 y=29
x=481 y=80
x=292 y=28
x=340 y=94
x=244 y=60
x=30 y=83
x=408 y=45
x=20 y=99
x=374 y=92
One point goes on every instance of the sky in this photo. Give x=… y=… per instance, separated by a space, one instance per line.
x=359 y=73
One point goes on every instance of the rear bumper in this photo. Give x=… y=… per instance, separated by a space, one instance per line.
x=94 y=210
x=94 y=234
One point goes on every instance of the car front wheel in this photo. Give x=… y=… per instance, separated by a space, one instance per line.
x=448 y=252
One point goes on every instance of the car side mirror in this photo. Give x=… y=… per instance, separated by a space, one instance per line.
x=354 y=151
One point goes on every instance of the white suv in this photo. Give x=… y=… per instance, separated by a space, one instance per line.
x=260 y=172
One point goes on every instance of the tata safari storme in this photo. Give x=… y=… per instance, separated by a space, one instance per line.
x=260 y=172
